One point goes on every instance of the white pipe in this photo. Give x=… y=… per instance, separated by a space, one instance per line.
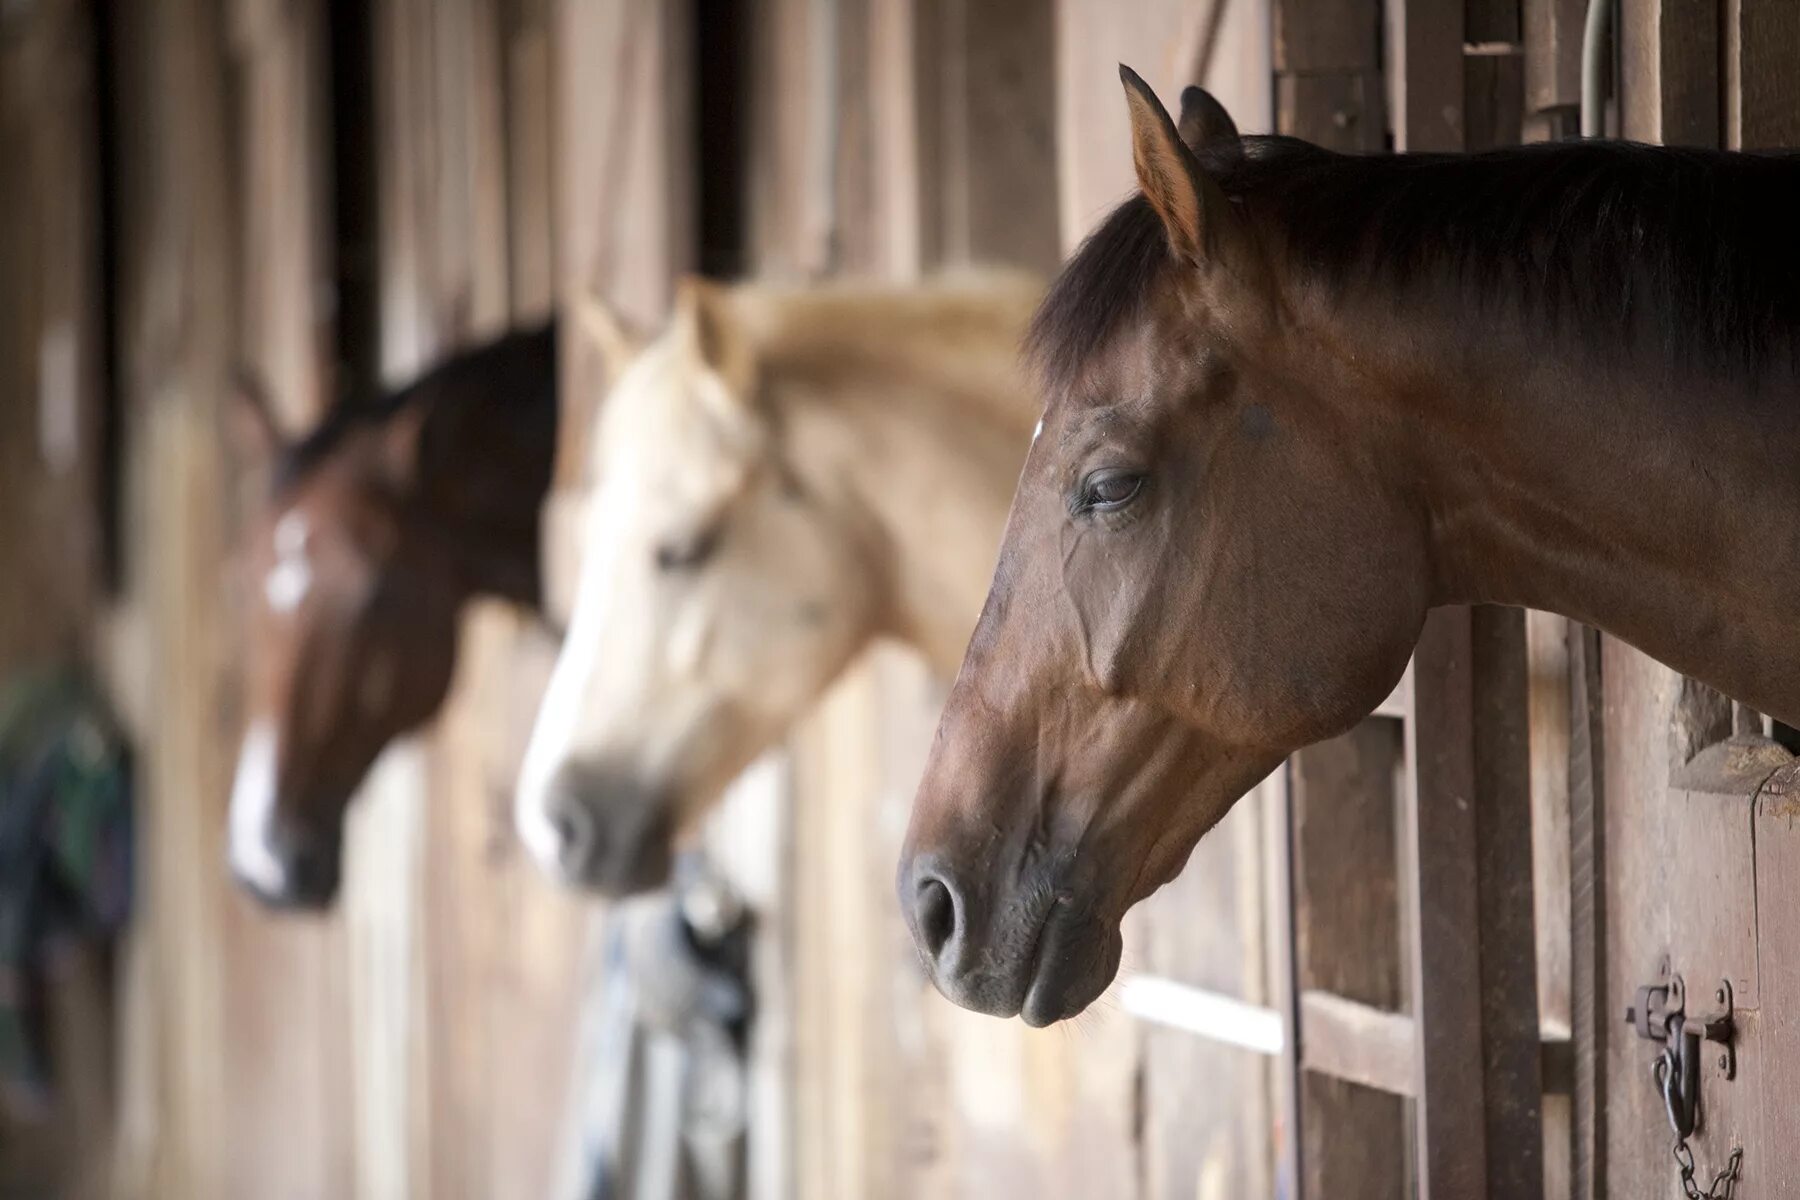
x=1198 y=1011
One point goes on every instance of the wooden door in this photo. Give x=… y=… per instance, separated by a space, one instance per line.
x=1701 y=864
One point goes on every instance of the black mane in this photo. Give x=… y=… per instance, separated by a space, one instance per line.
x=1691 y=255
x=518 y=368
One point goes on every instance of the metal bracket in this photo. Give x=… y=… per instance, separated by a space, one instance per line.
x=1659 y=1014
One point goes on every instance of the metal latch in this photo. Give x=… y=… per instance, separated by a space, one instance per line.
x=1660 y=1015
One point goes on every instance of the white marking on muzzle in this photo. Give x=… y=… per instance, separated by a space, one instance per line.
x=252 y=814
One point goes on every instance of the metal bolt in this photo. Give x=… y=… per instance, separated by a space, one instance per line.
x=1724 y=1062
x=1719 y=995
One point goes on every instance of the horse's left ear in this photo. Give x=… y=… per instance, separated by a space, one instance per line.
x=704 y=314
x=1204 y=123
x=1191 y=205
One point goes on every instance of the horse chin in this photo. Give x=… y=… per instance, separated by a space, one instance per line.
x=1076 y=961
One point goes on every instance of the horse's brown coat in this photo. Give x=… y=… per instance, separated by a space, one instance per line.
x=377 y=528
x=1311 y=455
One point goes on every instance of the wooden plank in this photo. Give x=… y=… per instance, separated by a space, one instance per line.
x=994 y=109
x=1425 y=74
x=1512 y=1059
x=1590 y=1004
x=1494 y=96
x=1547 y=652
x=51 y=466
x=1680 y=895
x=1341 y=37
x=1552 y=31
x=1346 y=942
x=1764 y=49
x=1359 y=1043
x=1491 y=22
x=168 y=669
x=1669 y=71
x=1439 y=852
x=1340 y=110
x=1777 y=839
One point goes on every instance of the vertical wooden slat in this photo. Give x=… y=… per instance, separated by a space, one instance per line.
x=1763 y=45
x=1547 y=651
x=1669 y=71
x=1439 y=847
x=1590 y=1006
x=1512 y=1076
x=1328 y=73
x=51 y=472
x=1425 y=74
x=1552 y=30
x=1346 y=940
x=176 y=320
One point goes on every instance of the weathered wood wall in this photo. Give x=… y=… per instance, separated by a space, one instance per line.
x=52 y=473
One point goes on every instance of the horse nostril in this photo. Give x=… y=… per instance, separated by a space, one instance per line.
x=936 y=913
x=577 y=832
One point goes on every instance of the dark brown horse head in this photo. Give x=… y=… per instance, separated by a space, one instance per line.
x=374 y=531
x=1196 y=578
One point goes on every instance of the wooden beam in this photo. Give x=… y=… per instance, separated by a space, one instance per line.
x=1425 y=74
x=1512 y=1063
x=1358 y=1043
x=1763 y=44
x=1346 y=939
x=1552 y=34
x=1438 y=820
x=1669 y=71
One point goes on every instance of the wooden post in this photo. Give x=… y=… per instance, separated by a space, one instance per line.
x=1346 y=939
x=1762 y=43
x=1669 y=71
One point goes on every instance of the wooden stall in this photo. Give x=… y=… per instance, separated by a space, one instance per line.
x=1399 y=969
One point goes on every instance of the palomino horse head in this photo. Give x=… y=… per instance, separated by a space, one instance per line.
x=1196 y=579
x=718 y=597
x=374 y=531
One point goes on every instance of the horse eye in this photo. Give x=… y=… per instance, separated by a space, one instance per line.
x=1110 y=489
x=684 y=554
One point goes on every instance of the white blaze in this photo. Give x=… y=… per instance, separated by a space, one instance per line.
x=291 y=577
x=253 y=811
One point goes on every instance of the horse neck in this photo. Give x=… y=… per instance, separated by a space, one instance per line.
x=1658 y=503
x=920 y=453
x=493 y=444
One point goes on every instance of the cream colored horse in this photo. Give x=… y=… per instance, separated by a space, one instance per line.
x=782 y=477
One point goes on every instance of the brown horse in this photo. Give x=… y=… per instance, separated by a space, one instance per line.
x=377 y=527
x=1297 y=399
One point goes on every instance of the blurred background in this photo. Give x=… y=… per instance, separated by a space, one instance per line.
x=328 y=193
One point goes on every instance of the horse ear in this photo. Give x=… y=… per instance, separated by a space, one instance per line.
x=402 y=445
x=705 y=317
x=1186 y=200
x=251 y=430
x=609 y=332
x=1204 y=123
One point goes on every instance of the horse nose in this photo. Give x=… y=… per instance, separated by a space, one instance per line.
x=571 y=818
x=937 y=910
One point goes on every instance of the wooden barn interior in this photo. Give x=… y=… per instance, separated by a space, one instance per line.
x=1398 y=970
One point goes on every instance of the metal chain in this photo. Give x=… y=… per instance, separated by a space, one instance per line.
x=1723 y=1184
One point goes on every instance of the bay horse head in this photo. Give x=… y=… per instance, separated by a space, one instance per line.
x=1197 y=578
x=780 y=477
x=373 y=532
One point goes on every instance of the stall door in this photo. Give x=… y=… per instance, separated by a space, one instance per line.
x=1699 y=879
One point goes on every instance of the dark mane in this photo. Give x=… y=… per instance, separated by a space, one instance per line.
x=1688 y=254
x=510 y=369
